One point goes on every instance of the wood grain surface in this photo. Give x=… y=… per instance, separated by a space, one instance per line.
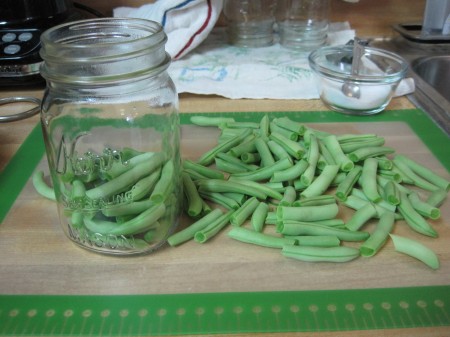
x=36 y=257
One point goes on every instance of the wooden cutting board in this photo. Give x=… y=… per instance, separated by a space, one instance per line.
x=36 y=258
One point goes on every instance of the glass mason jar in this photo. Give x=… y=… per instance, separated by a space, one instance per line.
x=111 y=129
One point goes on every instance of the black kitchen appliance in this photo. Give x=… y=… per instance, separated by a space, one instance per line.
x=21 y=25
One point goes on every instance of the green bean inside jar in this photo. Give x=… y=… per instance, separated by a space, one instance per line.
x=111 y=129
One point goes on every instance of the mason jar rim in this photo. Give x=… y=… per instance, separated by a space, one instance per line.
x=52 y=39
x=122 y=47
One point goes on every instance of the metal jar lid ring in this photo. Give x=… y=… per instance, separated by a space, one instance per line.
x=22 y=114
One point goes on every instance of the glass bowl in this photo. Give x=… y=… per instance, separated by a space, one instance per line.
x=378 y=76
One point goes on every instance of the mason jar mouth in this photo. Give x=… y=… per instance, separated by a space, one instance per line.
x=103 y=48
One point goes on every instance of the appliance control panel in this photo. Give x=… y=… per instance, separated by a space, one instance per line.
x=18 y=43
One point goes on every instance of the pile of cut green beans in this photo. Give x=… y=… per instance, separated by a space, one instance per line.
x=282 y=173
x=134 y=199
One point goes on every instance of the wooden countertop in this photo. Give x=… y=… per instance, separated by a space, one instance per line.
x=48 y=239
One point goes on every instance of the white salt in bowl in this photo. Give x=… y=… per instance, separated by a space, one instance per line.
x=378 y=76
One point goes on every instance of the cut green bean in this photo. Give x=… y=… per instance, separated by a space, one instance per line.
x=259 y=216
x=292 y=147
x=238 y=197
x=289 y=196
x=41 y=186
x=242 y=125
x=142 y=222
x=220 y=199
x=346 y=186
x=263 y=173
x=165 y=183
x=293 y=136
x=379 y=236
x=339 y=223
x=144 y=186
x=244 y=212
x=264 y=152
x=369 y=152
x=324 y=199
x=357 y=203
x=416 y=250
x=312 y=157
x=217 y=185
x=391 y=175
x=414 y=219
x=289 y=124
x=208 y=157
x=229 y=167
x=260 y=188
x=425 y=173
x=271 y=218
x=308 y=176
x=339 y=157
x=227 y=134
x=248 y=236
x=319 y=134
x=127 y=178
x=139 y=224
x=391 y=193
x=355 y=138
x=247 y=146
x=275 y=186
x=307 y=213
x=368 y=180
x=361 y=217
x=382 y=181
x=277 y=150
x=203 y=170
x=424 y=208
x=123 y=209
x=234 y=160
x=322 y=182
x=326 y=154
x=206 y=207
x=293 y=228
x=78 y=191
x=250 y=158
x=120 y=167
x=412 y=176
x=320 y=254
x=437 y=198
x=382 y=204
x=77 y=219
x=213 y=228
x=299 y=185
x=385 y=163
x=317 y=241
x=194 y=174
x=291 y=173
x=189 y=232
x=339 y=178
x=210 y=121
x=349 y=147
x=194 y=201
x=264 y=128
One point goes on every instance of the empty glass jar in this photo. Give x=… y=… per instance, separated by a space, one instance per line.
x=111 y=130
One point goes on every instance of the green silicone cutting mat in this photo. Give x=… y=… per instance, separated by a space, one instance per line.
x=208 y=313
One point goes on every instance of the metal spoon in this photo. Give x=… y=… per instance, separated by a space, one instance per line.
x=350 y=89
